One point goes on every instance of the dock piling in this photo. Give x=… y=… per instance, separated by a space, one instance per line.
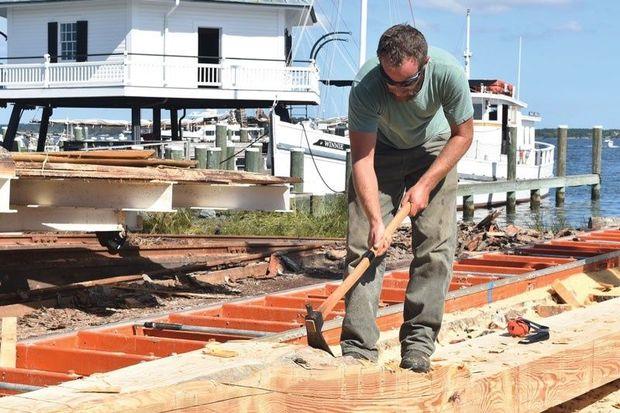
x=297 y=168
x=347 y=171
x=468 y=207
x=201 y=156
x=597 y=152
x=214 y=157
x=252 y=159
x=230 y=156
x=535 y=199
x=560 y=192
x=511 y=173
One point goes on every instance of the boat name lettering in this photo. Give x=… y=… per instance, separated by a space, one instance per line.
x=332 y=145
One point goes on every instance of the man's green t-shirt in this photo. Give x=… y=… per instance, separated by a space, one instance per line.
x=411 y=123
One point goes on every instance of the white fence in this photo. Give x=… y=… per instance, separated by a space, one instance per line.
x=145 y=71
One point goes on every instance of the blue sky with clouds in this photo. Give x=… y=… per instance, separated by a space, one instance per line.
x=570 y=59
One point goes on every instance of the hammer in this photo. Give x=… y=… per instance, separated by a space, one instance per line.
x=314 y=319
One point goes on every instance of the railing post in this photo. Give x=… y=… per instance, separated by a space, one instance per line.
x=46 y=69
x=561 y=163
x=222 y=75
x=597 y=151
x=511 y=173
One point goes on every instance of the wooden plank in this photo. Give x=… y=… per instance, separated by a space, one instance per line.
x=115 y=154
x=28 y=157
x=255 y=270
x=261 y=376
x=566 y=294
x=526 y=184
x=8 y=342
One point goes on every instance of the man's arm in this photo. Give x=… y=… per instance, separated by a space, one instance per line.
x=366 y=186
x=459 y=142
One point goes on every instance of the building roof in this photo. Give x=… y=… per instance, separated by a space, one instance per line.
x=285 y=3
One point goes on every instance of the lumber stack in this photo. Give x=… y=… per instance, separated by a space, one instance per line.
x=138 y=158
x=130 y=165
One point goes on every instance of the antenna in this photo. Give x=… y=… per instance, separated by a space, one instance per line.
x=363 y=27
x=467 y=53
x=519 y=70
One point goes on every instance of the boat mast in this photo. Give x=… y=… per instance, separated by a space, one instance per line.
x=363 y=27
x=519 y=71
x=467 y=53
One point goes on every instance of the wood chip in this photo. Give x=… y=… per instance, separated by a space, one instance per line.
x=219 y=352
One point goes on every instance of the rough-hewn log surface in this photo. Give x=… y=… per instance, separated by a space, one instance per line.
x=488 y=374
x=88 y=171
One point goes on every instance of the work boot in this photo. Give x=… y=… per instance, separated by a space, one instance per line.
x=416 y=361
x=358 y=356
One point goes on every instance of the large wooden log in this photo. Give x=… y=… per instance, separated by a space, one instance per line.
x=488 y=374
x=66 y=170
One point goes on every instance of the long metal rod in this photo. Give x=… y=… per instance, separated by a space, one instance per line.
x=200 y=329
x=23 y=388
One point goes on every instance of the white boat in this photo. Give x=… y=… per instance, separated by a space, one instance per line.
x=610 y=143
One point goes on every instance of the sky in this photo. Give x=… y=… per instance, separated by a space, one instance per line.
x=570 y=51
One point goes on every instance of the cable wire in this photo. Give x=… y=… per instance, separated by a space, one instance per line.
x=314 y=161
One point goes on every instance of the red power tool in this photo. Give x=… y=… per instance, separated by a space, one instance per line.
x=530 y=331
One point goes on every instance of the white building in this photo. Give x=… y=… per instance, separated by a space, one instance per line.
x=160 y=54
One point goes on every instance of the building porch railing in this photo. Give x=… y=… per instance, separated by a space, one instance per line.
x=162 y=71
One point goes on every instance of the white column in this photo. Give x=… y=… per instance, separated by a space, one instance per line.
x=363 y=29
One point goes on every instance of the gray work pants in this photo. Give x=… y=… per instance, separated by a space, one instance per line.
x=433 y=241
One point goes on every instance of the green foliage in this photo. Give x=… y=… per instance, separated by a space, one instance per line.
x=333 y=223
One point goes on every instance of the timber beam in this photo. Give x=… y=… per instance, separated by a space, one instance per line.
x=491 y=373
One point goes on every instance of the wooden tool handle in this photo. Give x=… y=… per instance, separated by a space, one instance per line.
x=328 y=305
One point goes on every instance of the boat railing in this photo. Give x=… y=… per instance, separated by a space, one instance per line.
x=149 y=70
x=545 y=153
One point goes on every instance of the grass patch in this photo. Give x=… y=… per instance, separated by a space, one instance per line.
x=333 y=223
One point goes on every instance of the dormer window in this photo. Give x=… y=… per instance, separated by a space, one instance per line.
x=68 y=41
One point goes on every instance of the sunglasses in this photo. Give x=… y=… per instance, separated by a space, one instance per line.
x=404 y=83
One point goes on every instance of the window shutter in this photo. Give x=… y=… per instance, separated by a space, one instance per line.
x=82 y=41
x=52 y=41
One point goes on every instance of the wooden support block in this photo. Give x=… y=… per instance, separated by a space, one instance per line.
x=566 y=294
x=9 y=340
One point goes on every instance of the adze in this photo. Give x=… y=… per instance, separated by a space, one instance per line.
x=315 y=318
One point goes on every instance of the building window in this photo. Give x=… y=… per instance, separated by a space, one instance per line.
x=68 y=41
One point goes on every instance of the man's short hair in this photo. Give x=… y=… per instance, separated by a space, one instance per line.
x=402 y=42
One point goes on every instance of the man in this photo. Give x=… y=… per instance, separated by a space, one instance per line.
x=410 y=121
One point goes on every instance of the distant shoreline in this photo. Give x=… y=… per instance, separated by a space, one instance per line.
x=546 y=133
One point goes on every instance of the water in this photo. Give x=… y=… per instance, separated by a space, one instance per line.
x=578 y=207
